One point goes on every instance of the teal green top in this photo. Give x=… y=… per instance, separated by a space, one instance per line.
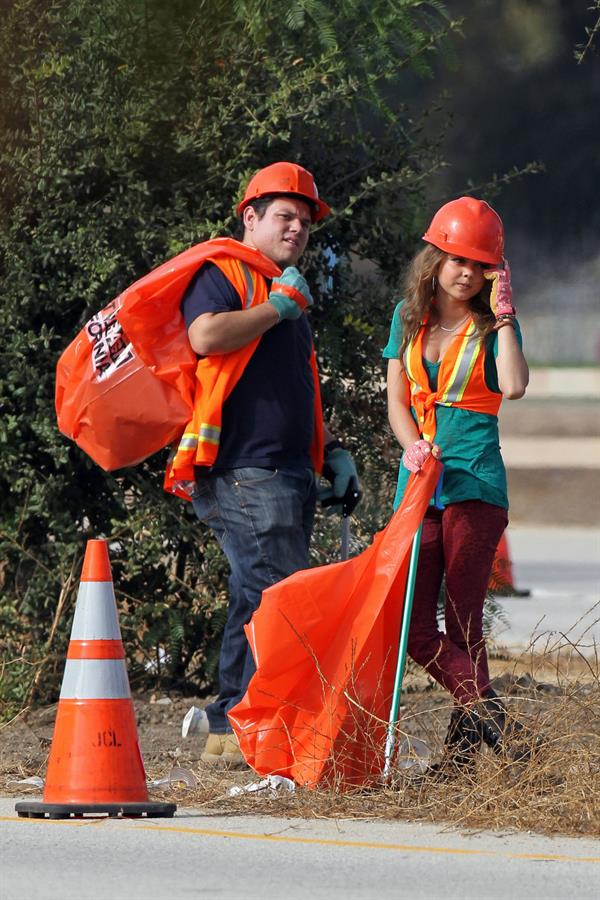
x=470 y=444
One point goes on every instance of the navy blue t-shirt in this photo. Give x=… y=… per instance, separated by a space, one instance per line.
x=268 y=417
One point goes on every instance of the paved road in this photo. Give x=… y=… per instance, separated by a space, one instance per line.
x=562 y=568
x=198 y=855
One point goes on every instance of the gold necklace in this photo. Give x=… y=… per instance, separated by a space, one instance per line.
x=450 y=330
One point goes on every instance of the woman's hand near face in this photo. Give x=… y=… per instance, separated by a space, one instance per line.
x=513 y=371
x=501 y=298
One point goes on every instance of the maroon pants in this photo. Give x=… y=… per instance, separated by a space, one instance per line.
x=459 y=541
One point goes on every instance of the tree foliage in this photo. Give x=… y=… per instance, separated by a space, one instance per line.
x=127 y=130
x=591 y=33
x=517 y=96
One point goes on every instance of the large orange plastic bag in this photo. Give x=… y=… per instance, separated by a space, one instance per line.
x=325 y=642
x=125 y=385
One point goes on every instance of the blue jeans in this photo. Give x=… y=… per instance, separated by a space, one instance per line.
x=262 y=520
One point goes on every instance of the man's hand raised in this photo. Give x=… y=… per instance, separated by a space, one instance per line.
x=290 y=294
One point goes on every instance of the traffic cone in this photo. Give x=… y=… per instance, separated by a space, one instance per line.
x=95 y=763
x=501 y=579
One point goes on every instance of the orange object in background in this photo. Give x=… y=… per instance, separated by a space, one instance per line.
x=125 y=385
x=325 y=642
x=502 y=582
x=95 y=763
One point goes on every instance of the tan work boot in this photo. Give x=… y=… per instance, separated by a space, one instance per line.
x=223 y=750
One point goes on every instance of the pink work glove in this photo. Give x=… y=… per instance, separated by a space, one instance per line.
x=501 y=294
x=415 y=455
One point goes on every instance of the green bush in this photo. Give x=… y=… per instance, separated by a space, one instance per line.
x=127 y=129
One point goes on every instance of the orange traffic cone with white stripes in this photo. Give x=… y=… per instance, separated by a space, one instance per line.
x=95 y=763
x=502 y=582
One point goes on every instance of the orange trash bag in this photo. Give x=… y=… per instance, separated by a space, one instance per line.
x=325 y=643
x=125 y=385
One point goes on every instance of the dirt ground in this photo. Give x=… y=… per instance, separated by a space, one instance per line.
x=548 y=795
x=563 y=694
x=25 y=741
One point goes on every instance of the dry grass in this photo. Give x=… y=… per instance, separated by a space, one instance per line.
x=557 y=696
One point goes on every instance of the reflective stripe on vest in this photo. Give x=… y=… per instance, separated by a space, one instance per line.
x=208 y=434
x=249 y=285
x=463 y=367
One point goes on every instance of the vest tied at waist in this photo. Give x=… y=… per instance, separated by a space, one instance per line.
x=461 y=378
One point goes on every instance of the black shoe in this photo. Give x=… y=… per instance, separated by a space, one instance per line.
x=505 y=735
x=462 y=742
x=463 y=739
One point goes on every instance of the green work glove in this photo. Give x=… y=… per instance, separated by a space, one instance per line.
x=344 y=493
x=290 y=294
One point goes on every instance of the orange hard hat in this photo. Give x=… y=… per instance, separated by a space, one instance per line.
x=285 y=178
x=470 y=228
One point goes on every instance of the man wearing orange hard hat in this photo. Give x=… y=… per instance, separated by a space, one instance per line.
x=285 y=178
x=258 y=435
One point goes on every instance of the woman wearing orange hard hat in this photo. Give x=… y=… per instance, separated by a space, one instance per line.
x=454 y=352
x=470 y=228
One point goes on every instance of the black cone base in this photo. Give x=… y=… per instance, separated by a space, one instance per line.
x=37 y=810
x=510 y=591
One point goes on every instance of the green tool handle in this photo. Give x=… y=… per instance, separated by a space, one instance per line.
x=406 y=614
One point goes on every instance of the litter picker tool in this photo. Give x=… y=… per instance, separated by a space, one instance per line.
x=348 y=502
x=345 y=545
x=406 y=615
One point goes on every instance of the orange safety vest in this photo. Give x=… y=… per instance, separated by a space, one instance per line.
x=461 y=378
x=216 y=377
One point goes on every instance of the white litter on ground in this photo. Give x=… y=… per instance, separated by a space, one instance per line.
x=35 y=782
x=273 y=783
x=177 y=778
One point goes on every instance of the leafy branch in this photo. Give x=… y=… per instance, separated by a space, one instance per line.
x=592 y=33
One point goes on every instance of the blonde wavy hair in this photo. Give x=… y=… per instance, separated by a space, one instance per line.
x=419 y=295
